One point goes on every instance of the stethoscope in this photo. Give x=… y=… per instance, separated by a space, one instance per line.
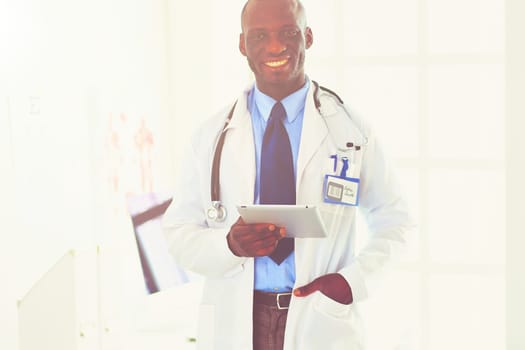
x=217 y=211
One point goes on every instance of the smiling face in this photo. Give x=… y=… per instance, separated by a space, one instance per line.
x=274 y=39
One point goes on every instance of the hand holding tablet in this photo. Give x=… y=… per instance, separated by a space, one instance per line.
x=300 y=221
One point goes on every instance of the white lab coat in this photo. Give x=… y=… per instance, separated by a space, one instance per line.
x=314 y=322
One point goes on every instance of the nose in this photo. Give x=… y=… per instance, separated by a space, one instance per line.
x=275 y=44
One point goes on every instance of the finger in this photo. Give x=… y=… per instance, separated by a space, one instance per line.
x=246 y=236
x=277 y=232
x=273 y=236
x=254 y=231
x=266 y=246
x=258 y=227
x=266 y=227
x=264 y=251
x=263 y=227
x=307 y=289
x=260 y=246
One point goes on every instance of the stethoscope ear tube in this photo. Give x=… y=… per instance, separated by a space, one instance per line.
x=217 y=212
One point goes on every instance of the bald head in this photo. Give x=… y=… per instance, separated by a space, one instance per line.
x=294 y=5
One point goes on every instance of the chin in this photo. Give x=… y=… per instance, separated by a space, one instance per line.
x=279 y=77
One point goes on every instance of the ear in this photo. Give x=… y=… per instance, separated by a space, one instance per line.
x=242 y=45
x=308 y=37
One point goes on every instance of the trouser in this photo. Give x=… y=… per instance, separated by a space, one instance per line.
x=269 y=320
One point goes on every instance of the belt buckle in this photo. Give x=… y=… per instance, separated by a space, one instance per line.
x=279 y=295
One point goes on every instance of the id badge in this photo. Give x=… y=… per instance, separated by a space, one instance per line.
x=341 y=190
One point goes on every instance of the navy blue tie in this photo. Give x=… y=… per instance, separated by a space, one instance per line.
x=277 y=184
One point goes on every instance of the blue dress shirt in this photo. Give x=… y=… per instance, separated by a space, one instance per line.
x=269 y=276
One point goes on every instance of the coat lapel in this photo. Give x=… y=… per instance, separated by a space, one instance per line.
x=241 y=166
x=313 y=134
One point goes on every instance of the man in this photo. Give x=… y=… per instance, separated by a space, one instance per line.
x=265 y=291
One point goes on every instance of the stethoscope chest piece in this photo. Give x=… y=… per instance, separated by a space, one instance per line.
x=217 y=212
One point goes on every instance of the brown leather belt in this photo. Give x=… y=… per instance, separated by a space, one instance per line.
x=278 y=300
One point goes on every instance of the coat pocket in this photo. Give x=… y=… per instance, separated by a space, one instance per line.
x=332 y=308
x=335 y=325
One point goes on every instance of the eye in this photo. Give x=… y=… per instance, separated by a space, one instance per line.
x=289 y=33
x=258 y=36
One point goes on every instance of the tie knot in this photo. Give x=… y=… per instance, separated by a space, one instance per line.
x=278 y=112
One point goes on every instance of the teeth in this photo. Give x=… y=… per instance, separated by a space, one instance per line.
x=274 y=64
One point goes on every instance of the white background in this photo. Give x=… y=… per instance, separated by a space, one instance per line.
x=437 y=79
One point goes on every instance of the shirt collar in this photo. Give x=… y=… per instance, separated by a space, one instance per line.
x=293 y=103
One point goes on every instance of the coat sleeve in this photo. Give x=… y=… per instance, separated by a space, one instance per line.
x=194 y=245
x=388 y=219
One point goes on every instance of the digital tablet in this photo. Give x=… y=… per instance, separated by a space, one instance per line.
x=301 y=221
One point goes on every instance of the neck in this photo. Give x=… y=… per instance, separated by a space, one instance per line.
x=279 y=91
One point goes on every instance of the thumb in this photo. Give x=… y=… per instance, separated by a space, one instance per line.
x=308 y=289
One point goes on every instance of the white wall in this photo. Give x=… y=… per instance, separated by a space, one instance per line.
x=66 y=69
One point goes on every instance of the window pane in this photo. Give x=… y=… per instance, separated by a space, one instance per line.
x=387 y=97
x=380 y=27
x=467 y=312
x=466 y=111
x=467 y=216
x=465 y=26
